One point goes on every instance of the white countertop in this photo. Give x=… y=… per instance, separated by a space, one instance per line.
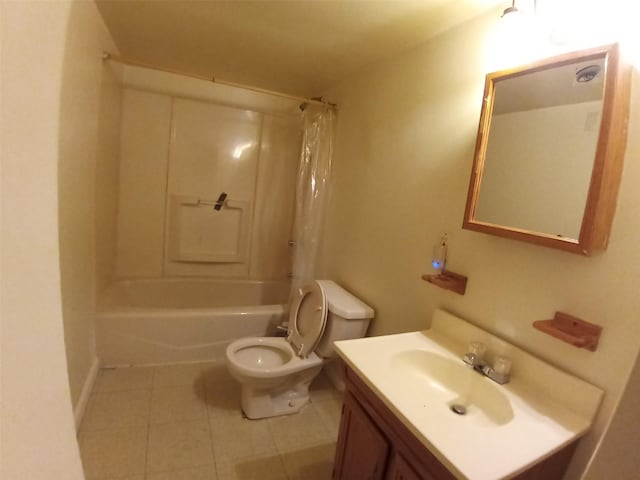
x=546 y=408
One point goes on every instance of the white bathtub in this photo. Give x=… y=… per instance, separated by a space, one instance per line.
x=141 y=322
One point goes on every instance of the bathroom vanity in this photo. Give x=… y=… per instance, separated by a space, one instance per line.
x=413 y=410
x=374 y=444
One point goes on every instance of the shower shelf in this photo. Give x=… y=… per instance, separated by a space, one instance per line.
x=449 y=281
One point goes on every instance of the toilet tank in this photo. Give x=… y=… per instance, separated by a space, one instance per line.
x=347 y=317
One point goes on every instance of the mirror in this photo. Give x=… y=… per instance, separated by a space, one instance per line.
x=549 y=151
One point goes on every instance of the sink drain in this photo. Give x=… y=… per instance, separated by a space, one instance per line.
x=458 y=409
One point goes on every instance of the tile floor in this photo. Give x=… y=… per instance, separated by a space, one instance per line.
x=183 y=422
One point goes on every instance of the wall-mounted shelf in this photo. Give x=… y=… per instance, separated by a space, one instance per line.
x=449 y=281
x=572 y=330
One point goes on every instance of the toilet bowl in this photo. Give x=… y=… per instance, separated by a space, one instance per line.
x=274 y=372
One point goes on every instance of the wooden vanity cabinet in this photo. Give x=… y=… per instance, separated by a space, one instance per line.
x=364 y=448
x=374 y=445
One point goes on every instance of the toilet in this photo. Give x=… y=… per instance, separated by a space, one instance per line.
x=275 y=372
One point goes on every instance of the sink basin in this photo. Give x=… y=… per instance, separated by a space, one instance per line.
x=444 y=383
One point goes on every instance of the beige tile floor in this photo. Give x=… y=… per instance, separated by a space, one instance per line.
x=183 y=422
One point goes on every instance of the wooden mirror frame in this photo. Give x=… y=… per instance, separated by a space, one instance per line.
x=607 y=166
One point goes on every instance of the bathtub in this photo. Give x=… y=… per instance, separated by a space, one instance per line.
x=143 y=322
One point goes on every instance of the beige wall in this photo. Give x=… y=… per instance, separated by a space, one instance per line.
x=89 y=92
x=617 y=454
x=38 y=436
x=404 y=150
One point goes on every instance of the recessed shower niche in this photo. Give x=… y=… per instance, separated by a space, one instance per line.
x=198 y=232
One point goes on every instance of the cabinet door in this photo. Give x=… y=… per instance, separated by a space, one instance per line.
x=401 y=470
x=362 y=450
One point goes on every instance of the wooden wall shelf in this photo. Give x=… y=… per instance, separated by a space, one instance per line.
x=572 y=330
x=449 y=281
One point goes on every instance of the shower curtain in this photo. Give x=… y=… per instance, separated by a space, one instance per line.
x=312 y=191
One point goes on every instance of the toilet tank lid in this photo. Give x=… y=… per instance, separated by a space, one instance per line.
x=343 y=303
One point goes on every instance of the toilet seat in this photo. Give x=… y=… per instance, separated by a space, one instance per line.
x=307 y=319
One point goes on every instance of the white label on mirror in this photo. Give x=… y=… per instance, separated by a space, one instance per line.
x=592 y=122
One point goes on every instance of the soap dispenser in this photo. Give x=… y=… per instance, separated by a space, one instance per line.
x=444 y=278
x=439 y=256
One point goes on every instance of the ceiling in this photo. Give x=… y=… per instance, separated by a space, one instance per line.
x=301 y=47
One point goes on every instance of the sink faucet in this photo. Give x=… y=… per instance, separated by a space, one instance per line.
x=499 y=373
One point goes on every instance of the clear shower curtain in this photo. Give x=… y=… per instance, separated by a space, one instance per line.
x=312 y=191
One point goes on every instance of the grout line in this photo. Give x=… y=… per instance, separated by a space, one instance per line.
x=284 y=467
x=329 y=419
x=146 y=453
x=86 y=393
x=101 y=372
x=273 y=438
x=153 y=377
x=212 y=448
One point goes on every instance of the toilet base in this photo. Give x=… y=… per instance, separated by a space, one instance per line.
x=290 y=398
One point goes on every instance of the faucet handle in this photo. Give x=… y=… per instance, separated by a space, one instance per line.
x=500 y=371
x=502 y=366
x=478 y=349
x=474 y=357
x=471 y=359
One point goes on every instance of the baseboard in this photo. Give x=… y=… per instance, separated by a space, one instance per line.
x=78 y=411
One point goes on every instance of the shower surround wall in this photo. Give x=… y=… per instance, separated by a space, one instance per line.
x=176 y=152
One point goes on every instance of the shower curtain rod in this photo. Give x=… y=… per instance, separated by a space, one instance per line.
x=135 y=63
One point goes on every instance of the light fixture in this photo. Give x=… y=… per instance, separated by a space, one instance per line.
x=517 y=38
x=511 y=9
x=529 y=7
x=588 y=73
